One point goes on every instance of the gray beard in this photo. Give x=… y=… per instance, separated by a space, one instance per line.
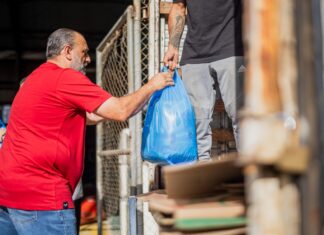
x=83 y=70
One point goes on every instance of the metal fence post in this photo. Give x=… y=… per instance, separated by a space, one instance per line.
x=154 y=38
x=124 y=182
x=99 y=148
x=138 y=117
x=131 y=88
x=138 y=84
x=132 y=121
x=132 y=215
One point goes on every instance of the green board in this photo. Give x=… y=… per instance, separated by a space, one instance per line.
x=209 y=223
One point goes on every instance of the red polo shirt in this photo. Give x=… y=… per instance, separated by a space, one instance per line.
x=41 y=159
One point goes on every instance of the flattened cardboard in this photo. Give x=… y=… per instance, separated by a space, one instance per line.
x=199 y=179
x=211 y=210
x=203 y=208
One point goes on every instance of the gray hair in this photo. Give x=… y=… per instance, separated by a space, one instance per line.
x=22 y=81
x=57 y=40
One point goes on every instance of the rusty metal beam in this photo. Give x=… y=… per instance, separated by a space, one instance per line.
x=262 y=40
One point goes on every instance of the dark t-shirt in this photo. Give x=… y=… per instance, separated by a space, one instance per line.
x=214 y=31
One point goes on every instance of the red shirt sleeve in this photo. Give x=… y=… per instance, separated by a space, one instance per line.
x=77 y=90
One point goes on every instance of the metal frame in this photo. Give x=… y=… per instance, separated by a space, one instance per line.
x=124 y=182
x=136 y=162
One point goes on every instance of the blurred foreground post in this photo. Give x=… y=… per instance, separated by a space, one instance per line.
x=279 y=127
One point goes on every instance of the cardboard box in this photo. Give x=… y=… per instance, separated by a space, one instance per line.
x=198 y=214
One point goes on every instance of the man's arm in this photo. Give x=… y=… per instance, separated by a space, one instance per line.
x=120 y=109
x=2 y=133
x=176 y=23
x=93 y=119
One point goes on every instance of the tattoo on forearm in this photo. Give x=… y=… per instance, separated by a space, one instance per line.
x=177 y=31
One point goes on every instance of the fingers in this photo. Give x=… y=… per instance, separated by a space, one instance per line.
x=168 y=78
x=161 y=80
x=171 y=59
x=169 y=63
x=168 y=75
x=172 y=65
x=169 y=82
x=168 y=57
x=165 y=60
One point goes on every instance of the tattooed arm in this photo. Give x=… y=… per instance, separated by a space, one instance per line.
x=176 y=24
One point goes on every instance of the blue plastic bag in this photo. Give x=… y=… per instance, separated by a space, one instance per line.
x=169 y=133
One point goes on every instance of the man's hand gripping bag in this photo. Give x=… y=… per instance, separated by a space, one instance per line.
x=169 y=133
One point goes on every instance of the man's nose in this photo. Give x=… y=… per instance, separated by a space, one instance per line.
x=88 y=59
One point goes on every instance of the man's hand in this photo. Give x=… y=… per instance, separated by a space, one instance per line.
x=176 y=23
x=122 y=108
x=161 y=80
x=171 y=57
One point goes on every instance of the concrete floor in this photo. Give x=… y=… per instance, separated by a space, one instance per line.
x=92 y=229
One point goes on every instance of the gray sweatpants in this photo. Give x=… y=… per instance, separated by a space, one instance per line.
x=200 y=80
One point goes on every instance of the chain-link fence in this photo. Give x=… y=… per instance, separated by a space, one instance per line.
x=115 y=81
x=144 y=44
x=144 y=40
x=113 y=76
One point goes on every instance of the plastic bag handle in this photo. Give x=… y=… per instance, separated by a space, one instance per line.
x=2 y=125
x=165 y=69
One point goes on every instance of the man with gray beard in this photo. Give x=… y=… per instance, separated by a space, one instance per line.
x=41 y=160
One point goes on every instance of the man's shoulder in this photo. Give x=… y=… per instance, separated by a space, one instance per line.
x=72 y=74
x=73 y=77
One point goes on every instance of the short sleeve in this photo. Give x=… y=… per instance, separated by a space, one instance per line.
x=77 y=90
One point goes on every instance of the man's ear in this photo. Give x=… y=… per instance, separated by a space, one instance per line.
x=67 y=52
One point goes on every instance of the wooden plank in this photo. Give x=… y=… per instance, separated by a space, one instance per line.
x=222 y=135
x=219 y=106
